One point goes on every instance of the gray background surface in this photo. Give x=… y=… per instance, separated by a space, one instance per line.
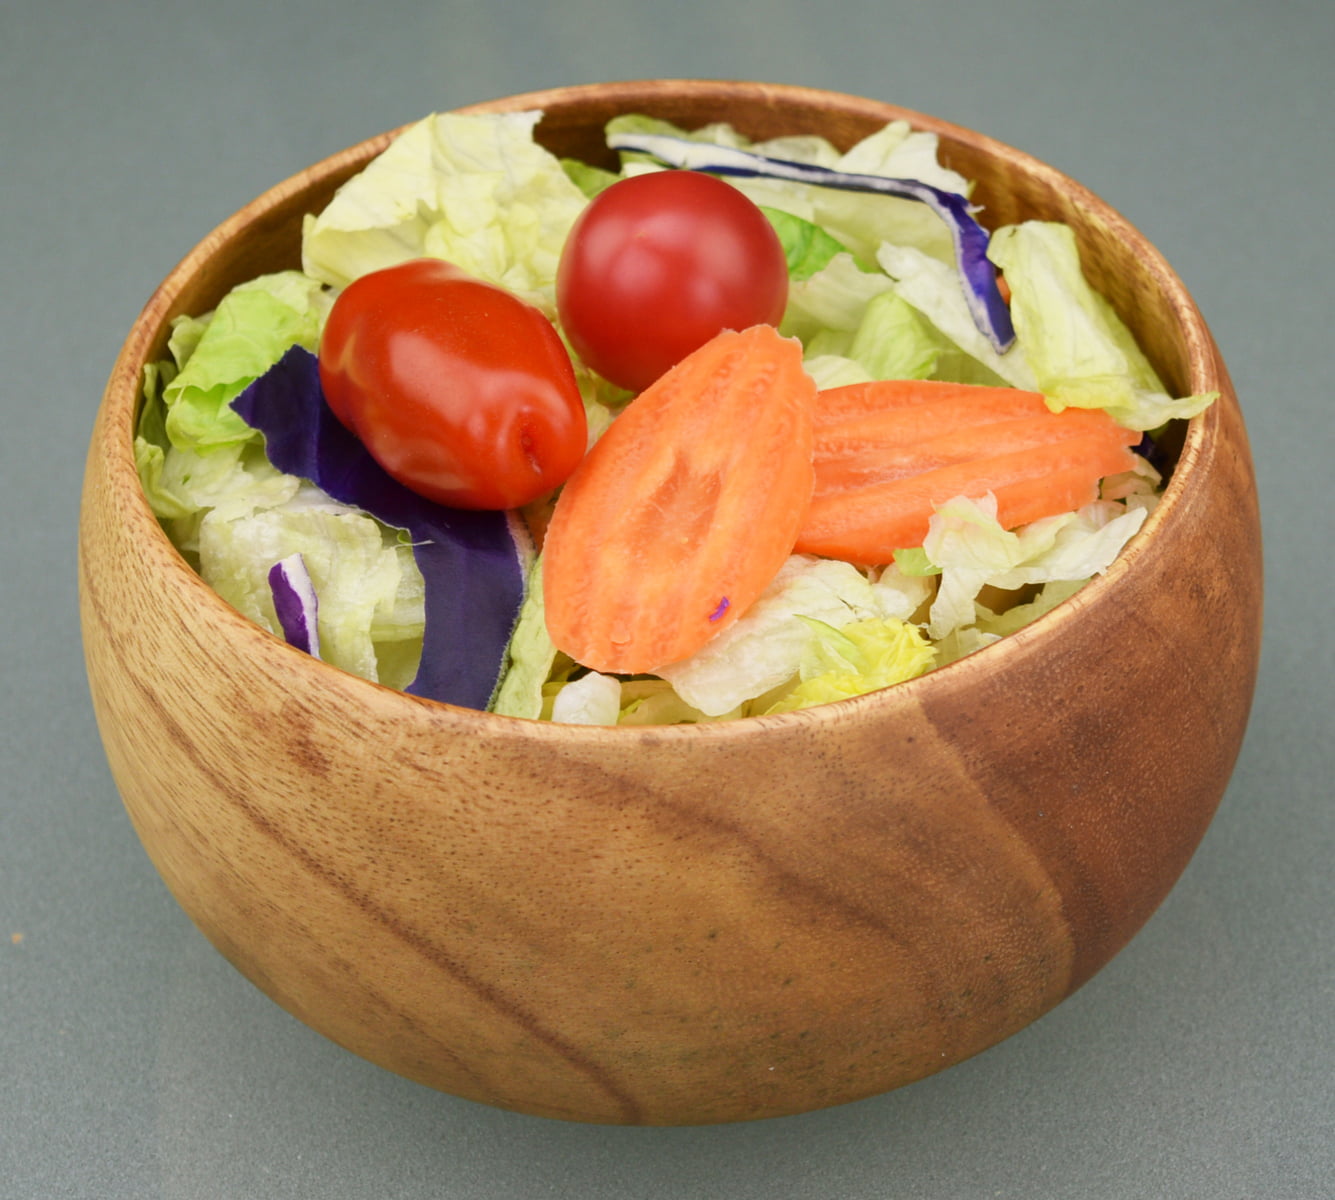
x=134 y=1062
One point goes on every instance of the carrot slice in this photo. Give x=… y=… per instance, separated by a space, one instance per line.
x=868 y=466
x=886 y=454
x=876 y=418
x=684 y=510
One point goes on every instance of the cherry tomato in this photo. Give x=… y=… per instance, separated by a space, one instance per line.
x=458 y=388
x=657 y=264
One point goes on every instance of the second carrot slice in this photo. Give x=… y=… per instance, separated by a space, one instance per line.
x=683 y=512
x=888 y=453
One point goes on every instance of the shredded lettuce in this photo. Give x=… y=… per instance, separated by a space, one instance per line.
x=764 y=647
x=933 y=288
x=529 y=657
x=834 y=370
x=589 y=179
x=894 y=341
x=647 y=701
x=806 y=246
x=973 y=551
x=833 y=298
x=859 y=658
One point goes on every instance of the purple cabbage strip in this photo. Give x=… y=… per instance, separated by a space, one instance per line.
x=979 y=277
x=295 y=603
x=472 y=562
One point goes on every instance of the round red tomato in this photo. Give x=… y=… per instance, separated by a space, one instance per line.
x=659 y=263
x=458 y=388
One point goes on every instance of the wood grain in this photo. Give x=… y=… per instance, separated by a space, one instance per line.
x=685 y=925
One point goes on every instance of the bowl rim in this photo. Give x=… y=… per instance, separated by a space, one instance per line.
x=120 y=406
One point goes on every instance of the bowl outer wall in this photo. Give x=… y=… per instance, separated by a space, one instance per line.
x=684 y=925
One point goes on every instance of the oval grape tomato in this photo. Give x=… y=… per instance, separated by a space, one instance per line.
x=658 y=264
x=459 y=389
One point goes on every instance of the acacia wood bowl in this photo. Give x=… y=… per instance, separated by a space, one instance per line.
x=681 y=925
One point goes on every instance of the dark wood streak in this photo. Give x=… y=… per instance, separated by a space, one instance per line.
x=485 y=991
x=914 y=937
x=788 y=881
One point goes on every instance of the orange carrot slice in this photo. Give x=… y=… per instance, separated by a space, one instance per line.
x=684 y=510
x=875 y=418
x=886 y=454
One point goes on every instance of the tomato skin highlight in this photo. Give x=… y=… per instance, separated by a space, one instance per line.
x=457 y=388
x=657 y=264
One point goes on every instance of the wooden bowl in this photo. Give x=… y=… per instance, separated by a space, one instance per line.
x=681 y=925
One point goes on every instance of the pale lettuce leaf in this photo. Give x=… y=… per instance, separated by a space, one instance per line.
x=477 y=191
x=972 y=550
x=764 y=647
x=592 y=699
x=934 y=289
x=835 y=370
x=364 y=579
x=894 y=340
x=834 y=298
x=861 y=657
x=1080 y=351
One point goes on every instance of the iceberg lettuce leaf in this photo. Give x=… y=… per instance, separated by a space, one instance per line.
x=833 y=298
x=590 y=699
x=894 y=341
x=344 y=553
x=475 y=190
x=529 y=657
x=933 y=288
x=763 y=648
x=971 y=549
x=1080 y=351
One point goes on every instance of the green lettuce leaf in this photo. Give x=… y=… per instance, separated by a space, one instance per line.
x=894 y=340
x=529 y=657
x=219 y=356
x=589 y=179
x=807 y=247
x=859 y=658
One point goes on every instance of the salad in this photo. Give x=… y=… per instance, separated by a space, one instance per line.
x=858 y=439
